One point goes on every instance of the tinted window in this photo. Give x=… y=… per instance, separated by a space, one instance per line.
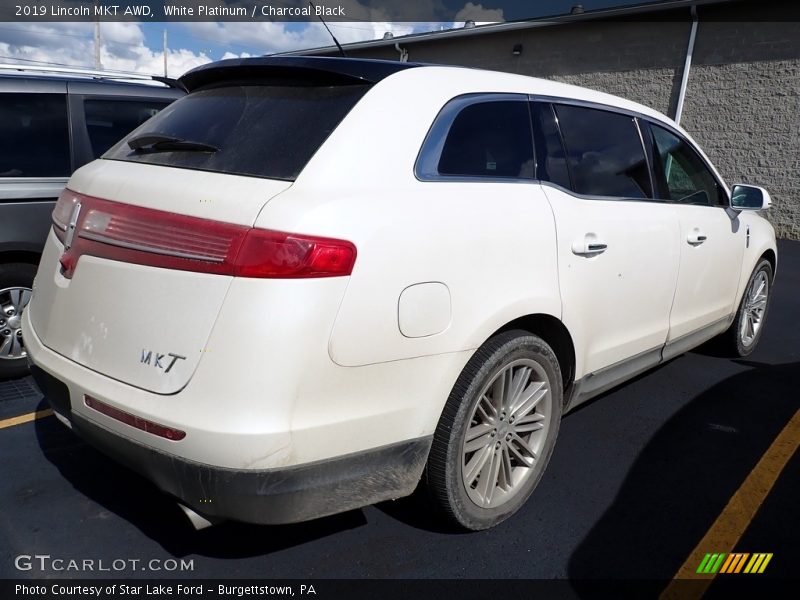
x=489 y=139
x=34 y=135
x=551 y=162
x=259 y=130
x=108 y=121
x=604 y=153
x=684 y=176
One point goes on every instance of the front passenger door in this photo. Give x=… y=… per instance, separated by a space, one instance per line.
x=711 y=241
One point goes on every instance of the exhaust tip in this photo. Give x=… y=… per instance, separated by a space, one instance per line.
x=197 y=520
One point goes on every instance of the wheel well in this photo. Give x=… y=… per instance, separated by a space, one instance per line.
x=20 y=256
x=552 y=331
x=770 y=256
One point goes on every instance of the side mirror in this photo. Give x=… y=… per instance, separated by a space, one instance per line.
x=749 y=197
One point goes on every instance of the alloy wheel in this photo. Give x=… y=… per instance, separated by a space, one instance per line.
x=13 y=301
x=507 y=431
x=754 y=307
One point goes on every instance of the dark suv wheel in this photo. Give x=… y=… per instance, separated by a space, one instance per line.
x=16 y=281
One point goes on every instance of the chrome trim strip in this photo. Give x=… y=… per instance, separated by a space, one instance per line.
x=150 y=249
x=71 y=226
x=605 y=198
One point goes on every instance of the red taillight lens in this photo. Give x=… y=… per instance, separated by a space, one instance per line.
x=134 y=421
x=162 y=239
x=276 y=254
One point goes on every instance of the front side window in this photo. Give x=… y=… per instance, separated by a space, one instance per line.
x=108 y=121
x=489 y=139
x=34 y=136
x=684 y=176
x=604 y=153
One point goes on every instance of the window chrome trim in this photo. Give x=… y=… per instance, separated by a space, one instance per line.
x=561 y=188
x=426 y=167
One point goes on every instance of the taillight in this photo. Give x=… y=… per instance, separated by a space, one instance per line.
x=134 y=421
x=158 y=238
x=62 y=212
x=266 y=253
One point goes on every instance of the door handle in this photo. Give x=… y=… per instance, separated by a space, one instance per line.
x=696 y=237
x=589 y=245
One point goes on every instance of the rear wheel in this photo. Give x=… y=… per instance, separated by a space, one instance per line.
x=744 y=333
x=16 y=281
x=497 y=431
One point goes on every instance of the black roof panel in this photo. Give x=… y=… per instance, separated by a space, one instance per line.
x=311 y=69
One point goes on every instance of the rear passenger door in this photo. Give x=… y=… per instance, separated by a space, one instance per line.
x=711 y=241
x=617 y=244
x=35 y=159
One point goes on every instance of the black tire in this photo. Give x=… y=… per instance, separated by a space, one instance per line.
x=732 y=340
x=14 y=275
x=446 y=462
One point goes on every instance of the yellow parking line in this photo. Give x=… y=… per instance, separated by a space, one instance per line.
x=734 y=519
x=39 y=414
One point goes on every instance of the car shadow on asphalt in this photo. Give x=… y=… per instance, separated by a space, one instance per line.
x=117 y=489
x=420 y=511
x=685 y=475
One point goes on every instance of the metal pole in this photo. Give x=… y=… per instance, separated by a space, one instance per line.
x=97 y=62
x=687 y=66
x=165 y=53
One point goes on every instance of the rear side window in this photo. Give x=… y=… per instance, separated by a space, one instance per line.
x=684 y=175
x=257 y=130
x=489 y=139
x=108 y=121
x=34 y=136
x=604 y=153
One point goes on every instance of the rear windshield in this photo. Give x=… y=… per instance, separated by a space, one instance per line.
x=258 y=130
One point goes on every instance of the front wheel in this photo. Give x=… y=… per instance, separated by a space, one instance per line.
x=16 y=281
x=747 y=327
x=497 y=431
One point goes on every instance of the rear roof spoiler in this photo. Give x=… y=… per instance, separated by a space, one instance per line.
x=293 y=69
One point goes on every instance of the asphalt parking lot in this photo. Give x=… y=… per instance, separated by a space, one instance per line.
x=638 y=478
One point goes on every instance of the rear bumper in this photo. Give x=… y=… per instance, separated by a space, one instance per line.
x=269 y=496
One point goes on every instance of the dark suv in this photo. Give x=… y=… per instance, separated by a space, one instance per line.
x=53 y=121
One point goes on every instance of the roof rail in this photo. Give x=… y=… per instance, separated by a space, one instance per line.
x=122 y=75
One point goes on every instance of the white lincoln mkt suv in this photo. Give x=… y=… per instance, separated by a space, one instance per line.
x=313 y=282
